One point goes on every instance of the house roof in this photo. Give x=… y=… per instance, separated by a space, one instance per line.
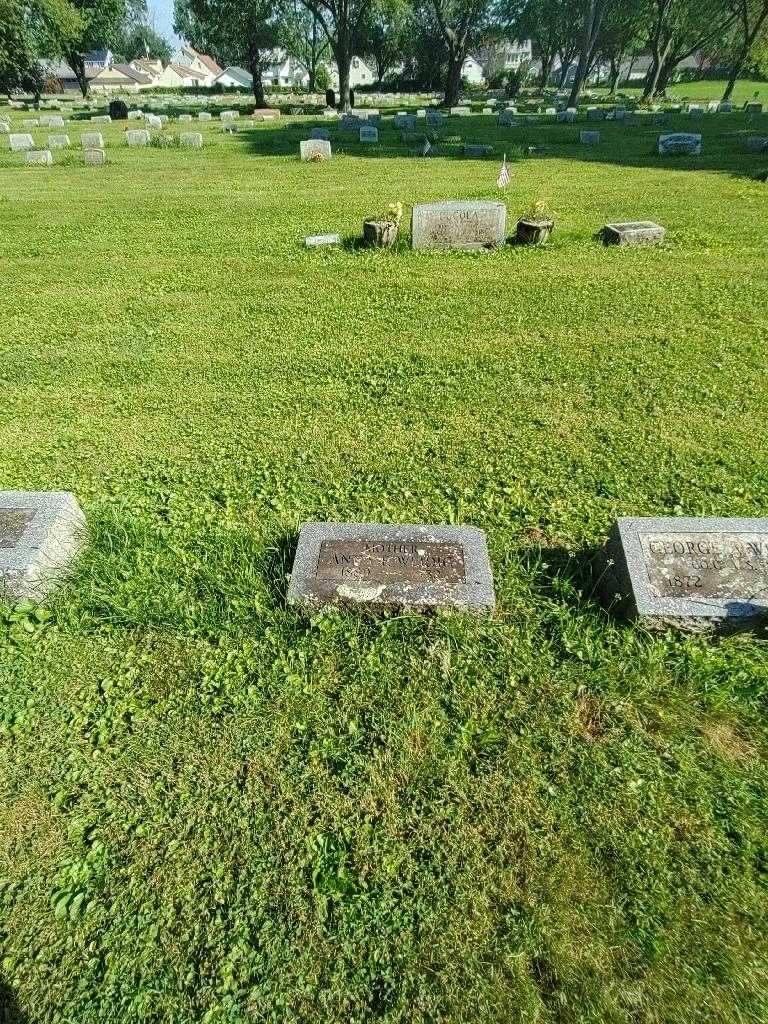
x=140 y=77
x=183 y=72
x=240 y=75
x=97 y=56
x=209 y=62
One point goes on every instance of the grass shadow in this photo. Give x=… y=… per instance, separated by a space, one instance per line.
x=276 y=565
x=10 y=1011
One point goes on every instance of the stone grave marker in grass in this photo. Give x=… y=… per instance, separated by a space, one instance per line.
x=191 y=140
x=644 y=232
x=680 y=144
x=434 y=118
x=38 y=156
x=92 y=140
x=757 y=144
x=21 y=141
x=368 y=133
x=40 y=534
x=699 y=575
x=95 y=157
x=318 y=241
x=137 y=137
x=204 y=116
x=319 y=133
x=477 y=151
x=377 y=565
x=315 y=149
x=589 y=138
x=58 y=141
x=471 y=224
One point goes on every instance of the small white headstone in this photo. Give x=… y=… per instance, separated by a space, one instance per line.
x=315 y=149
x=58 y=141
x=95 y=157
x=30 y=122
x=19 y=143
x=137 y=137
x=101 y=119
x=153 y=121
x=92 y=140
x=185 y=118
x=193 y=140
x=38 y=156
x=204 y=116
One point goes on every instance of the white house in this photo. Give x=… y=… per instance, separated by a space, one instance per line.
x=204 y=68
x=359 y=74
x=234 y=76
x=97 y=60
x=473 y=71
x=284 y=71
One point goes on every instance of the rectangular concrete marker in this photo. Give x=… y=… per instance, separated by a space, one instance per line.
x=643 y=232
x=137 y=137
x=694 y=574
x=192 y=140
x=38 y=156
x=316 y=241
x=40 y=534
x=474 y=224
x=392 y=566
x=92 y=140
x=20 y=142
x=95 y=157
x=589 y=138
x=58 y=141
x=369 y=134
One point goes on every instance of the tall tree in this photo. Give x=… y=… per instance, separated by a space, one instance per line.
x=592 y=18
x=343 y=22
x=241 y=32
x=142 y=40
x=102 y=23
x=621 y=35
x=680 y=28
x=463 y=24
x=302 y=36
x=384 y=36
x=31 y=30
x=552 y=26
x=751 y=16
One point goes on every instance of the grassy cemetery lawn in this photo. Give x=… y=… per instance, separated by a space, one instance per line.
x=215 y=809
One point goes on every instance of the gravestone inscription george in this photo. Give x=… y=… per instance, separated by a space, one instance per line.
x=477 y=224
x=695 y=574
x=392 y=566
x=40 y=534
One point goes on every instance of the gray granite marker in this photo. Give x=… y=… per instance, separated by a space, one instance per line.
x=643 y=232
x=315 y=149
x=392 y=566
x=369 y=133
x=38 y=156
x=19 y=142
x=477 y=151
x=316 y=241
x=679 y=143
x=699 y=575
x=588 y=138
x=474 y=224
x=40 y=533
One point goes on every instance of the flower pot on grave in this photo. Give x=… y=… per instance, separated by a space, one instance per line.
x=534 y=232
x=380 y=234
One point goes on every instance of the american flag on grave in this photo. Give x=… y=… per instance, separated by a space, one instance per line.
x=504 y=177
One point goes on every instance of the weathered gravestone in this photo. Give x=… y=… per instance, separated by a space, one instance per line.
x=19 y=143
x=434 y=118
x=40 y=534
x=315 y=149
x=406 y=122
x=753 y=109
x=185 y=118
x=204 y=116
x=643 y=232
x=757 y=144
x=38 y=156
x=695 y=574
x=392 y=566
x=595 y=114
x=460 y=111
x=30 y=122
x=507 y=119
x=191 y=140
x=135 y=115
x=58 y=141
x=92 y=140
x=317 y=241
x=566 y=116
x=350 y=123
x=53 y=121
x=137 y=137
x=369 y=134
x=5 y=128
x=589 y=138
x=153 y=121
x=102 y=119
x=472 y=224
x=321 y=133
x=725 y=108
x=680 y=143
x=95 y=157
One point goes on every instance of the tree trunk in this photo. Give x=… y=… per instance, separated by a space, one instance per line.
x=76 y=62
x=342 y=63
x=591 y=23
x=255 y=69
x=665 y=74
x=564 y=69
x=546 y=69
x=453 y=79
x=613 y=78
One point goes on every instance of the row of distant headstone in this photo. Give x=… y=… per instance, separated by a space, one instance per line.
x=698 y=574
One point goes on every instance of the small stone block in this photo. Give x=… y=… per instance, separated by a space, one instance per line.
x=92 y=140
x=379 y=565
x=476 y=151
x=58 y=141
x=19 y=143
x=95 y=157
x=321 y=133
x=40 y=533
x=192 y=140
x=369 y=134
x=434 y=118
x=316 y=241
x=137 y=137
x=699 y=575
x=757 y=144
x=634 y=233
x=589 y=138
x=204 y=116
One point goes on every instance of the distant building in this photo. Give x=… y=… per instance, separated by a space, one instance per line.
x=204 y=67
x=234 y=76
x=473 y=72
x=96 y=60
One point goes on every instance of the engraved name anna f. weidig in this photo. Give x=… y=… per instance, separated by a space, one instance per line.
x=13 y=523
x=707 y=565
x=360 y=561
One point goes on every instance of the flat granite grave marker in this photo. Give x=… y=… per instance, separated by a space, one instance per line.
x=589 y=138
x=315 y=149
x=58 y=141
x=477 y=151
x=643 y=232
x=472 y=224
x=321 y=133
x=317 y=241
x=392 y=566
x=680 y=143
x=369 y=134
x=40 y=534
x=695 y=574
x=434 y=118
